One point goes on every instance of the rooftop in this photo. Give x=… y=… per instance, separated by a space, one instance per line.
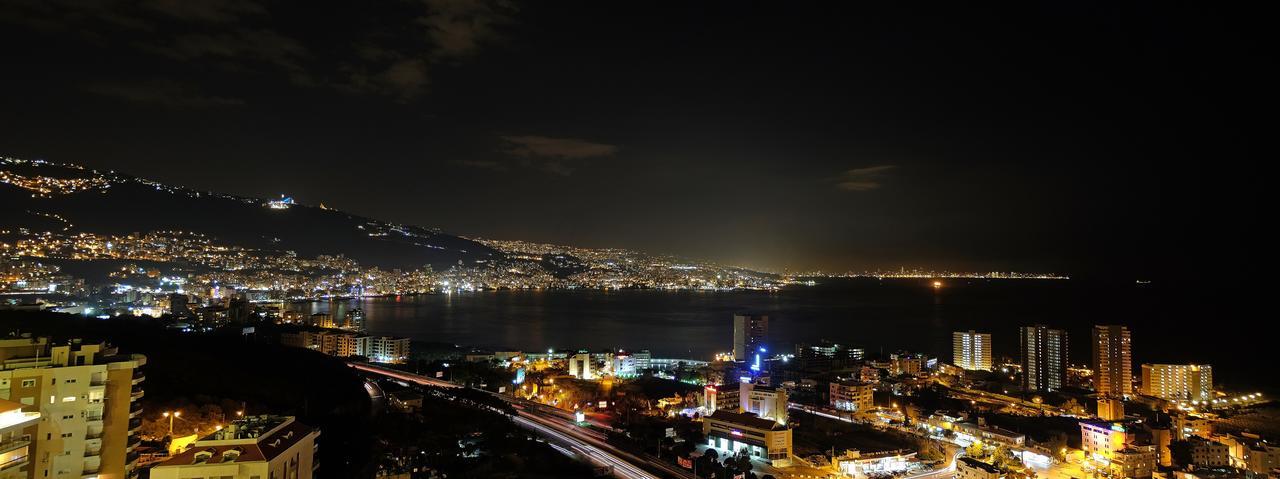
x=746 y=420
x=974 y=463
x=252 y=439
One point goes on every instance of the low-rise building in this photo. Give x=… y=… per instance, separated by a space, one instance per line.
x=1188 y=425
x=406 y=400
x=970 y=468
x=1133 y=462
x=1208 y=453
x=256 y=447
x=984 y=433
x=732 y=432
x=1248 y=451
x=855 y=464
x=854 y=396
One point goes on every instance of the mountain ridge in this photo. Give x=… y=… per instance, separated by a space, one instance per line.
x=41 y=196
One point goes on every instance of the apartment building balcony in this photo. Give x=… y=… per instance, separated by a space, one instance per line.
x=93 y=452
x=13 y=462
x=135 y=423
x=92 y=434
x=131 y=457
x=138 y=377
x=91 y=472
x=13 y=445
x=136 y=393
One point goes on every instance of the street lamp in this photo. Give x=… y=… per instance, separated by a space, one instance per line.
x=171 y=416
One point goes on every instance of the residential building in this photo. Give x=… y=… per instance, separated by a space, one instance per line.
x=1178 y=382
x=907 y=363
x=354 y=320
x=256 y=447
x=971 y=350
x=1110 y=408
x=1207 y=452
x=1112 y=361
x=750 y=336
x=87 y=396
x=1250 y=452
x=15 y=443
x=982 y=432
x=382 y=349
x=387 y=349
x=1186 y=425
x=970 y=468
x=853 y=396
x=1133 y=462
x=1044 y=358
x=322 y=320
x=732 y=432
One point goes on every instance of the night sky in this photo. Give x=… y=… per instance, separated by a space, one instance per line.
x=1091 y=138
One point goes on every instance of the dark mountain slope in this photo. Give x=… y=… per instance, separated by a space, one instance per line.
x=119 y=204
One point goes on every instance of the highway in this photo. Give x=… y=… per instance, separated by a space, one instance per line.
x=558 y=426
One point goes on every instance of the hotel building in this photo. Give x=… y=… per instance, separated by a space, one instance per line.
x=87 y=396
x=256 y=447
x=1100 y=440
x=971 y=350
x=1178 y=382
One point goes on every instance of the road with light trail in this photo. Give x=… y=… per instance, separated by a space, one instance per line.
x=558 y=425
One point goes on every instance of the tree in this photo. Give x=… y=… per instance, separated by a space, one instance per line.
x=1180 y=452
x=929 y=449
x=1071 y=406
x=1004 y=459
x=1057 y=443
x=975 y=450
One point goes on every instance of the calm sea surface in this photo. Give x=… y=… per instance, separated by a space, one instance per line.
x=880 y=315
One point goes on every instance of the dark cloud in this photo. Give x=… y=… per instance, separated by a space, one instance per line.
x=534 y=146
x=862 y=179
x=553 y=155
x=163 y=93
x=241 y=36
x=206 y=11
x=459 y=27
x=544 y=153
